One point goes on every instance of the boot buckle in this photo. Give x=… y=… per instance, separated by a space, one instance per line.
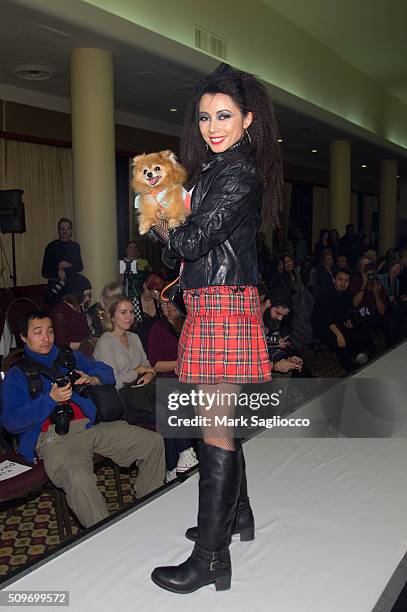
x=213 y=566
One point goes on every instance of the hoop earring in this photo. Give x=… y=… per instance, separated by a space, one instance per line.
x=248 y=136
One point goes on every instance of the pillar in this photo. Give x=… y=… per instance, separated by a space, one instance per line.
x=387 y=205
x=340 y=185
x=94 y=167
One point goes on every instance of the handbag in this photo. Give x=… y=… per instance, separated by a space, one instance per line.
x=109 y=405
x=139 y=401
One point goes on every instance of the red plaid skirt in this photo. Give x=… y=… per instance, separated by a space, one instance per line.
x=222 y=339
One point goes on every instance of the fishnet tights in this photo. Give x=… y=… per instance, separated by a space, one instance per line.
x=224 y=405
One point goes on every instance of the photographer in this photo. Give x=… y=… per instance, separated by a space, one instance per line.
x=334 y=325
x=66 y=443
x=369 y=299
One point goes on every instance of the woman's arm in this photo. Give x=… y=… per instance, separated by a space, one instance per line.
x=165 y=366
x=227 y=203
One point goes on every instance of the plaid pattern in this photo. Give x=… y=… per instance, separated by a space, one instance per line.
x=222 y=339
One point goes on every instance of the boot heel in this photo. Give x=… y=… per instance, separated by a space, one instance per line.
x=223 y=583
x=247 y=534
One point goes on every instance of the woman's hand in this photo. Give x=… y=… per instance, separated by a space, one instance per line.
x=161 y=231
x=145 y=378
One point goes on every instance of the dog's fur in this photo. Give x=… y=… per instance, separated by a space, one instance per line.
x=154 y=173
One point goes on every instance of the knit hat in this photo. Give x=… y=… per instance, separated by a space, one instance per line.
x=75 y=283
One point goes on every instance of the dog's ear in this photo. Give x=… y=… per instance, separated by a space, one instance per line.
x=170 y=156
x=136 y=160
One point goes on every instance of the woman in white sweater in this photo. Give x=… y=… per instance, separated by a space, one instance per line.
x=123 y=351
x=120 y=348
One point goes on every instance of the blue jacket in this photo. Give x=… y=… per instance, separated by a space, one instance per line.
x=22 y=416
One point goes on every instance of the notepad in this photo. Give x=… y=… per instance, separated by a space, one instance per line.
x=9 y=469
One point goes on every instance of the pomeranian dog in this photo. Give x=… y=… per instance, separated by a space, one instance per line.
x=158 y=179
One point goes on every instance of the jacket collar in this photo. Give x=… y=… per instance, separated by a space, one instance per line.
x=219 y=157
x=46 y=360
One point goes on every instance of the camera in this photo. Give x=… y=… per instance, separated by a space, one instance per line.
x=62 y=415
x=371 y=277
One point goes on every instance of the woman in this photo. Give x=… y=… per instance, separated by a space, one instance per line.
x=229 y=147
x=96 y=312
x=389 y=280
x=69 y=317
x=146 y=306
x=123 y=351
x=322 y=244
x=324 y=276
x=281 y=244
x=294 y=281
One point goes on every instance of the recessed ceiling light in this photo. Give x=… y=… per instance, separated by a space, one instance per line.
x=34 y=72
x=279 y=140
x=314 y=150
x=173 y=110
x=364 y=165
x=398 y=176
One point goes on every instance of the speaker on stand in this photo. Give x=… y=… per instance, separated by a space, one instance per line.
x=12 y=220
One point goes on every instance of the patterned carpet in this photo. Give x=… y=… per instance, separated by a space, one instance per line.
x=30 y=530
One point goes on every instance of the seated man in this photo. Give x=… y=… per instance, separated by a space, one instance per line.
x=332 y=323
x=30 y=415
x=275 y=309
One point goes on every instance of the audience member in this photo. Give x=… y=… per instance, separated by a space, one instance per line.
x=62 y=253
x=369 y=299
x=301 y=246
x=277 y=276
x=68 y=457
x=333 y=240
x=275 y=312
x=281 y=245
x=371 y=256
x=349 y=244
x=333 y=323
x=69 y=317
x=341 y=263
x=324 y=271
x=146 y=306
x=96 y=312
x=292 y=275
x=322 y=244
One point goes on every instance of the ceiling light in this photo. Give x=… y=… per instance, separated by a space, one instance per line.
x=173 y=110
x=314 y=150
x=279 y=140
x=364 y=165
x=34 y=72
x=398 y=176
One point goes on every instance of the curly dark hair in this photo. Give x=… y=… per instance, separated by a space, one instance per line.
x=250 y=96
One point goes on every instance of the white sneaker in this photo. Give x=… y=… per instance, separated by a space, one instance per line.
x=170 y=475
x=187 y=459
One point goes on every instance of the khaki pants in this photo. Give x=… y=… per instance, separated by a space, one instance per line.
x=68 y=462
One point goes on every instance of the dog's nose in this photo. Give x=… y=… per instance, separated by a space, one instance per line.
x=150 y=174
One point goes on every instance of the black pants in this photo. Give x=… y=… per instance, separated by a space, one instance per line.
x=389 y=323
x=357 y=339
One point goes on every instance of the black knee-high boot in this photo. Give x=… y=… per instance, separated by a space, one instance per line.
x=219 y=485
x=243 y=523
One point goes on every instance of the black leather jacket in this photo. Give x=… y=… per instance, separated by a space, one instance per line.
x=218 y=240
